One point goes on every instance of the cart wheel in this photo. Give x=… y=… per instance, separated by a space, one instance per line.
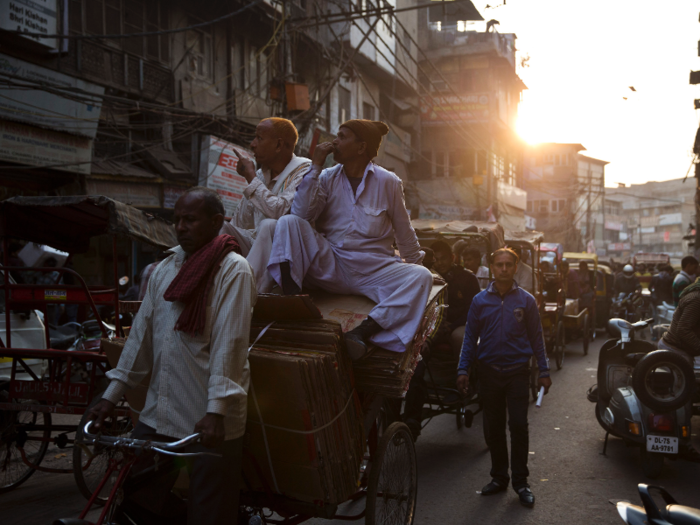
x=392 y=486
x=87 y=473
x=559 y=345
x=586 y=334
x=17 y=428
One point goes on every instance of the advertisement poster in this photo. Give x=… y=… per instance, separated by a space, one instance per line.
x=217 y=170
x=31 y=16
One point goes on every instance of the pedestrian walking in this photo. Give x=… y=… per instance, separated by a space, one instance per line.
x=503 y=332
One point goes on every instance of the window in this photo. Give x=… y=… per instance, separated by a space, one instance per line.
x=199 y=50
x=440 y=164
x=455 y=162
x=426 y=164
x=367 y=111
x=481 y=163
x=469 y=159
x=123 y=16
x=542 y=206
x=343 y=104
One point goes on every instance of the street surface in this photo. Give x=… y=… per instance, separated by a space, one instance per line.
x=570 y=478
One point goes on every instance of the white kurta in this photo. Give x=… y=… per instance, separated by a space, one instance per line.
x=351 y=250
x=264 y=201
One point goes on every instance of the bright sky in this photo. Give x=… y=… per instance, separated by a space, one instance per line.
x=583 y=57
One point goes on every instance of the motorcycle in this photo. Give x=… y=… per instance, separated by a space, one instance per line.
x=631 y=307
x=643 y=395
x=652 y=514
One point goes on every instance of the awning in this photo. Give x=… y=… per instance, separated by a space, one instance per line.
x=532 y=237
x=68 y=223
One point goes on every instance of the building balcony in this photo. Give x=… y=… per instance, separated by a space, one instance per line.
x=448 y=41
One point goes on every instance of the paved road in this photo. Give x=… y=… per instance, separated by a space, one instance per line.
x=570 y=478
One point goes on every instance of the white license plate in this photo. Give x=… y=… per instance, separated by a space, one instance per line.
x=662 y=444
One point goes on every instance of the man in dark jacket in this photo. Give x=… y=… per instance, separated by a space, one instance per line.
x=503 y=332
x=661 y=285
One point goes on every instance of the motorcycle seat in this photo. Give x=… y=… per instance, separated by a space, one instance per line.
x=682 y=515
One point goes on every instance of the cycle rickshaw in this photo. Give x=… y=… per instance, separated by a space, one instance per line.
x=443 y=397
x=43 y=380
x=386 y=473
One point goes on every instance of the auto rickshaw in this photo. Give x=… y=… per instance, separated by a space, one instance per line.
x=528 y=243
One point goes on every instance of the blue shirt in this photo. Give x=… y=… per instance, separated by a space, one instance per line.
x=507 y=328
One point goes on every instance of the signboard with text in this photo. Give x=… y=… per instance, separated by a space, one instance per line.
x=48 y=110
x=442 y=109
x=31 y=16
x=217 y=170
x=43 y=147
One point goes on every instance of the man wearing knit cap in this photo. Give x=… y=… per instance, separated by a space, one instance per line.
x=359 y=212
x=268 y=195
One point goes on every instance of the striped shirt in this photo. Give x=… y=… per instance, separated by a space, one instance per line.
x=191 y=375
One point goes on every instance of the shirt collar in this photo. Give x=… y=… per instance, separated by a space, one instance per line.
x=492 y=287
x=369 y=169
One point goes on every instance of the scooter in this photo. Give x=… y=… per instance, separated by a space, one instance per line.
x=652 y=514
x=643 y=396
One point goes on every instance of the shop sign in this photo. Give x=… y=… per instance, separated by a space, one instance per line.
x=43 y=147
x=670 y=218
x=217 y=170
x=530 y=222
x=139 y=195
x=171 y=194
x=48 y=110
x=31 y=16
x=619 y=246
x=613 y=225
x=650 y=229
x=667 y=236
x=442 y=109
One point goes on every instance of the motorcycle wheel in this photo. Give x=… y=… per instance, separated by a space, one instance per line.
x=652 y=464
x=670 y=362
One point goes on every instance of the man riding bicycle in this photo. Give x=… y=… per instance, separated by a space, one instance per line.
x=191 y=334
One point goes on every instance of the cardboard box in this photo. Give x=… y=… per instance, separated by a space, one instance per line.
x=302 y=380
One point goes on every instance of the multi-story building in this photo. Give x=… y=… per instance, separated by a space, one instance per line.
x=566 y=196
x=140 y=118
x=655 y=217
x=471 y=159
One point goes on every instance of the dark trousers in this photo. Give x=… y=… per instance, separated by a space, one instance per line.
x=213 y=492
x=501 y=393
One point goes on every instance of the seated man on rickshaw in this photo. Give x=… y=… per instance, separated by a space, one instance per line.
x=359 y=212
x=269 y=193
x=462 y=287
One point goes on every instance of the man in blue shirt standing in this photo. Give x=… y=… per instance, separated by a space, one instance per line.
x=503 y=332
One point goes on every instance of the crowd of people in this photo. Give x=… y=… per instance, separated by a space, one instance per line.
x=300 y=226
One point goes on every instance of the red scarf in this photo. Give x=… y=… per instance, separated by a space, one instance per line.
x=194 y=280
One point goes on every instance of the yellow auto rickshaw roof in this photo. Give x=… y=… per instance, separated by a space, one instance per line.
x=581 y=256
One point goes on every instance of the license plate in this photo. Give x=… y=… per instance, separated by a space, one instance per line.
x=662 y=444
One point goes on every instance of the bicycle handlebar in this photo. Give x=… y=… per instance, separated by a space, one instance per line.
x=140 y=444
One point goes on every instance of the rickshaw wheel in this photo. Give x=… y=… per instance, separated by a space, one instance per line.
x=393 y=480
x=15 y=427
x=88 y=479
x=559 y=345
x=586 y=334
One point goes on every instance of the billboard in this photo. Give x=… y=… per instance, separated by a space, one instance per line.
x=217 y=170
x=31 y=16
x=442 y=109
x=43 y=147
x=47 y=110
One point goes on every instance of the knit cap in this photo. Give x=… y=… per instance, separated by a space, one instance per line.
x=369 y=131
